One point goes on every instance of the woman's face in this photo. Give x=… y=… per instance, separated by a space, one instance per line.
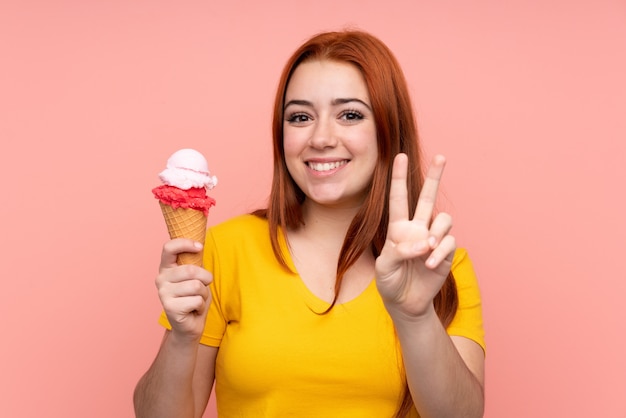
x=329 y=133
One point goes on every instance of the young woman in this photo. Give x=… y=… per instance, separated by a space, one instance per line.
x=347 y=296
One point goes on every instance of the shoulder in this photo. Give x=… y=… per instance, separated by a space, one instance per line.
x=244 y=234
x=463 y=269
x=465 y=278
x=460 y=257
x=243 y=224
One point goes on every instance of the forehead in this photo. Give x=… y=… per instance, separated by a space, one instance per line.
x=320 y=78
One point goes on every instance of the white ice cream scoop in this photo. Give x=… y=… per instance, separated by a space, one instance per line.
x=186 y=169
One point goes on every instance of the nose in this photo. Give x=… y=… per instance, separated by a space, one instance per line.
x=323 y=135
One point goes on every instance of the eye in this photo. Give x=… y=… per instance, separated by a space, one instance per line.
x=298 y=117
x=351 y=115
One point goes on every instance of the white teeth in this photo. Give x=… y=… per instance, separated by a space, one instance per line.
x=326 y=166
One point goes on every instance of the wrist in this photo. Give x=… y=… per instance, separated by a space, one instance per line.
x=402 y=316
x=181 y=340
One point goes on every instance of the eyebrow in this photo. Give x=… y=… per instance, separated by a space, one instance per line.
x=334 y=102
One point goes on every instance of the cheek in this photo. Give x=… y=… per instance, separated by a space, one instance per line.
x=288 y=147
x=290 y=155
x=373 y=163
x=365 y=145
x=372 y=157
x=292 y=142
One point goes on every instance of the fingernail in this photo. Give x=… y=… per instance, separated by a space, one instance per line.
x=432 y=241
x=197 y=244
x=431 y=262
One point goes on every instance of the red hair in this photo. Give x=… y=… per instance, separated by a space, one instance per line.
x=396 y=133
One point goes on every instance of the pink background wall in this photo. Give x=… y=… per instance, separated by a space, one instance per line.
x=527 y=99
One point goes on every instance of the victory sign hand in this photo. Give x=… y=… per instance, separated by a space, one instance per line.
x=417 y=254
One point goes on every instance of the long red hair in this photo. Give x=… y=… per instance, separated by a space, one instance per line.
x=396 y=133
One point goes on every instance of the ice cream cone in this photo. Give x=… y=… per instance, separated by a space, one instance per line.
x=186 y=223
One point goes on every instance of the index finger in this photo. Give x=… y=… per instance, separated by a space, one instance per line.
x=176 y=246
x=398 y=196
x=428 y=195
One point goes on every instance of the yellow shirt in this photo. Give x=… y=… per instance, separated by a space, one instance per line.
x=279 y=357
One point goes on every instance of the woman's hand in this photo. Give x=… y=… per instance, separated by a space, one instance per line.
x=183 y=290
x=418 y=252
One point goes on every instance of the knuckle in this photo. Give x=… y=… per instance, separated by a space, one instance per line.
x=198 y=287
x=168 y=247
x=163 y=293
x=427 y=199
x=188 y=270
x=159 y=281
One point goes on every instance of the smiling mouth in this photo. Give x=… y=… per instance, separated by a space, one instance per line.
x=321 y=167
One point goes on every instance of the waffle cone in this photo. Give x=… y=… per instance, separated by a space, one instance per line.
x=186 y=223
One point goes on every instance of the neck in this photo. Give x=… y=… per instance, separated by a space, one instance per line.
x=324 y=227
x=327 y=220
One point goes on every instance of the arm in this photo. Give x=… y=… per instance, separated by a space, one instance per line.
x=445 y=374
x=179 y=381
